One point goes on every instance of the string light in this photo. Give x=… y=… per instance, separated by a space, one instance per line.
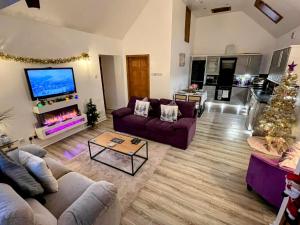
x=29 y=60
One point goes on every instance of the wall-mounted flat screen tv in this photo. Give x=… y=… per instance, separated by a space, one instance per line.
x=50 y=82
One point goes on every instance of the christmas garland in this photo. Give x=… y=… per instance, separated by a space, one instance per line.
x=30 y=60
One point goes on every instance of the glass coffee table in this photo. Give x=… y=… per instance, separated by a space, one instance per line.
x=125 y=147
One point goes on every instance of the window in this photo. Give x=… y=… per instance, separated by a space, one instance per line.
x=268 y=11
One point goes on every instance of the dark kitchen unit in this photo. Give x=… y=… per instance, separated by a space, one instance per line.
x=225 y=79
x=198 y=72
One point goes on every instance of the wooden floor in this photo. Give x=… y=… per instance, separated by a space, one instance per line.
x=204 y=184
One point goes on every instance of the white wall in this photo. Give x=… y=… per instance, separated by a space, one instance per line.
x=113 y=81
x=180 y=75
x=286 y=40
x=27 y=38
x=214 y=33
x=151 y=34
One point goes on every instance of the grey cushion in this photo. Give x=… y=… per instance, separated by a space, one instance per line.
x=38 y=167
x=17 y=173
x=41 y=215
x=93 y=202
x=58 y=170
x=70 y=188
x=34 y=150
x=13 y=209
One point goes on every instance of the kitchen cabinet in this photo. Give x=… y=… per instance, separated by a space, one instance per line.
x=213 y=65
x=248 y=64
x=279 y=64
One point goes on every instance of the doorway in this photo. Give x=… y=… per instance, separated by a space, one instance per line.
x=138 y=75
x=113 y=84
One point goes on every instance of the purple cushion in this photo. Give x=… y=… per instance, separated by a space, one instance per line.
x=158 y=126
x=134 y=121
x=187 y=109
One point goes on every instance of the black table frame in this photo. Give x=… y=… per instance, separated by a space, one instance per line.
x=131 y=155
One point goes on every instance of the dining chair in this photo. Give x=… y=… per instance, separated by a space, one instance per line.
x=197 y=100
x=180 y=97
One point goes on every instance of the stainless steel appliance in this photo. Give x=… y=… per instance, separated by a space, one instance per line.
x=225 y=79
x=258 y=100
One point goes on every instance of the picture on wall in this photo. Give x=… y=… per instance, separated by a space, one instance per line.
x=182 y=59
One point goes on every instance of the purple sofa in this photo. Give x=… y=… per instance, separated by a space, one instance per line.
x=178 y=134
x=266 y=178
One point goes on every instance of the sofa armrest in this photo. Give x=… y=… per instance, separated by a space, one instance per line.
x=184 y=123
x=122 y=112
x=97 y=199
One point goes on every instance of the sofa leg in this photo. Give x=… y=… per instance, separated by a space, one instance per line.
x=249 y=188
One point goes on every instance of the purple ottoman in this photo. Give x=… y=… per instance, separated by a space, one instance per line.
x=266 y=178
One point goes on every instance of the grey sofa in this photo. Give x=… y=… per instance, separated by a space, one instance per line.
x=79 y=201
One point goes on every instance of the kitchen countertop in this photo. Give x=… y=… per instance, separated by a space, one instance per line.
x=261 y=95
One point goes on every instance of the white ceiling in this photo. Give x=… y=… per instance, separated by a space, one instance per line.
x=111 y=18
x=289 y=9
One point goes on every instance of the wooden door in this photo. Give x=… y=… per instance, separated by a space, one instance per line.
x=138 y=75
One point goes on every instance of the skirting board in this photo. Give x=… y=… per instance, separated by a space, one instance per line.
x=65 y=135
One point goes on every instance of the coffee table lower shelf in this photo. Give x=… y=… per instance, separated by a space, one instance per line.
x=133 y=171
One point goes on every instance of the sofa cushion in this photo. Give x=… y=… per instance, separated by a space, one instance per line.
x=154 y=103
x=187 y=109
x=32 y=149
x=159 y=126
x=184 y=123
x=38 y=167
x=141 y=108
x=92 y=203
x=20 y=176
x=136 y=122
x=41 y=215
x=169 y=113
x=70 y=188
x=13 y=209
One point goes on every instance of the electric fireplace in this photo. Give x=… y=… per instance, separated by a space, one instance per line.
x=57 y=116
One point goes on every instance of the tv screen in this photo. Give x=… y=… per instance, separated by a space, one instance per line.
x=50 y=82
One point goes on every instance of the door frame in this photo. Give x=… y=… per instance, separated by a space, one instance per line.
x=102 y=82
x=127 y=67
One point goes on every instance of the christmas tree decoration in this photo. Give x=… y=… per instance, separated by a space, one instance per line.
x=279 y=117
x=92 y=114
x=30 y=60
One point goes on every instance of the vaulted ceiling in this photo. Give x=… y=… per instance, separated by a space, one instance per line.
x=111 y=18
x=289 y=9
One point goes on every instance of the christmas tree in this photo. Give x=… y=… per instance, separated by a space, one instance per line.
x=279 y=116
x=92 y=114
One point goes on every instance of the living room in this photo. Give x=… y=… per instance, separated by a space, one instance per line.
x=186 y=166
